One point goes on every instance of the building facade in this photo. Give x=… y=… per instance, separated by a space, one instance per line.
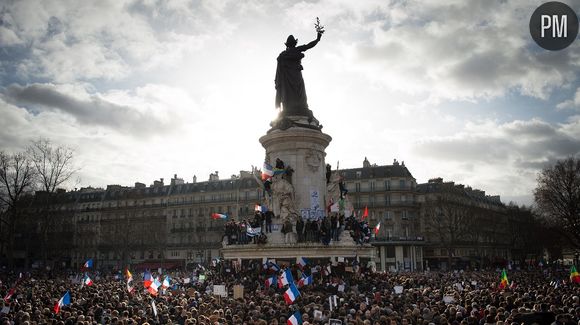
x=462 y=227
x=170 y=225
x=389 y=193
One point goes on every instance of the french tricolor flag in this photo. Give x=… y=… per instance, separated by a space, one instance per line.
x=147 y=279
x=88 y=264
x=302 y=262
x=291 y=294
x=64 y=301
x=154 y=287
x=295 y=319
x=306 y=280
x=285 y=278
x=268 y=171
x=270 y=281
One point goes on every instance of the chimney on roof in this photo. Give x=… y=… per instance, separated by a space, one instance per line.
x=139 y=185
x=176 y=181
x=214 y=176
x=194 y=179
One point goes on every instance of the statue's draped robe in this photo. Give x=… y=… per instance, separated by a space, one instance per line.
x=290 y=90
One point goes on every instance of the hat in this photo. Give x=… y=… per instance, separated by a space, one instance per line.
x=291 y=41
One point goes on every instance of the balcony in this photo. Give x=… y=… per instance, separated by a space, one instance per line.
x=398 y=239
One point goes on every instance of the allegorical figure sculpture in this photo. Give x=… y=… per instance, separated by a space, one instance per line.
x=290 y=90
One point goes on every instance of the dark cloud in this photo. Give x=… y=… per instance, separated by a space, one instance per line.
x=521 y=144
x=93 y=111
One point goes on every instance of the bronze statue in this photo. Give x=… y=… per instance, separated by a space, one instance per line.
x=290 y=90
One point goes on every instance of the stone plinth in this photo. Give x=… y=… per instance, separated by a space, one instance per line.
x=303 y=149
x=291 y=251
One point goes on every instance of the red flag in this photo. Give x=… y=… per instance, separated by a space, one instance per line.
x=366 y=213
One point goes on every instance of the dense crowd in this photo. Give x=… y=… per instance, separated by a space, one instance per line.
x=347 y=294
x=325 y=230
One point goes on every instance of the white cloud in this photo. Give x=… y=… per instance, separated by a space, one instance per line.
x=573 y=103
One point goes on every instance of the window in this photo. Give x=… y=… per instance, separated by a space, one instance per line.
x=404 y=215
x=372 y=186
x=403 y=198
x=389 y=232
x=357 y=187
x=388 y=199
x=402 y=183
x=358 y=174
x=387 y=185
x=390 y=251
x=387 y=215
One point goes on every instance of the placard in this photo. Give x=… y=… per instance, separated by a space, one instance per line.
x=317 y=315
x=448 y=299
x=220 y=290
x=341 y=288
x=238 y=291
x=186 y=280
x=398 y=289
x=334 y=321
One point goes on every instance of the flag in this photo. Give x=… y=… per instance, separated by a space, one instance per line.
x=9 y=294
x=377 y=228
x=166 y=282
x=306 y=280
x=216 y=216
x=574 y=276
x=270 y=281
x=128 y=274
x=147 y=279
x=295 y=319
x=88 y=264
x=154 y=307
x=64 y=301
x=504 y=280
x=154 y=287
x=291 y=294
x=87 y=281
x=365 y=214
x=302 y=262
x=257 y=208
x=251 y=232
x=130 y=288
x=268 y=171
x=269 y=265
x=285 y=278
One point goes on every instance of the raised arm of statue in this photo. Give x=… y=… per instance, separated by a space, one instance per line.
x=310 y=45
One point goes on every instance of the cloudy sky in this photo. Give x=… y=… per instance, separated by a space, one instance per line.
x=144 y=89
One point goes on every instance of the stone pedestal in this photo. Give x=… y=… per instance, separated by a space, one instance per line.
x=303 y=149
x=300 y=143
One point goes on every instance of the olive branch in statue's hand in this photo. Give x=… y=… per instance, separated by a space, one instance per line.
x=319 y=28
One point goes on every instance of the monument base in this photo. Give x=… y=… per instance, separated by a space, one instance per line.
x=292 y=251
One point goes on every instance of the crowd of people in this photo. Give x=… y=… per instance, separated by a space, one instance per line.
x=339 y=294
x=325 y=230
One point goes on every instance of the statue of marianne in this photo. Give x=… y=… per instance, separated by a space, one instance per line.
x=290 y=90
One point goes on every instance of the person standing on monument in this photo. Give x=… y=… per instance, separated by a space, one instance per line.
x=290 y=89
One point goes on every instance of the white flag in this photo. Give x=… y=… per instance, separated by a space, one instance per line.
x=154 y=308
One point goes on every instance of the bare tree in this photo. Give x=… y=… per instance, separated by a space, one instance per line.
x=53 y=166
x=558 y=197
x=449 y=221
x=16 y=179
